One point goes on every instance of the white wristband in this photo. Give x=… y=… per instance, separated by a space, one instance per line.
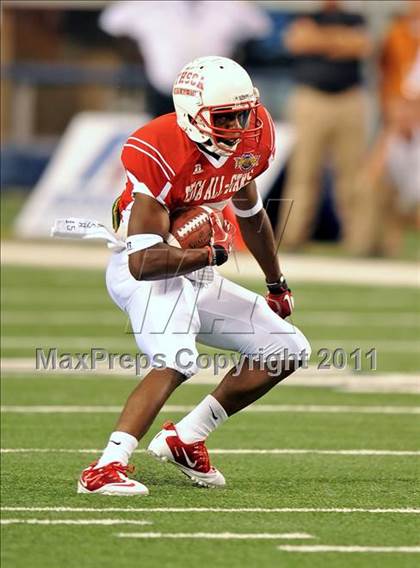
x=249 y=212
x=143 y=241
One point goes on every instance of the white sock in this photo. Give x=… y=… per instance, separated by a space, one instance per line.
x=120 y=447
x=201 y=421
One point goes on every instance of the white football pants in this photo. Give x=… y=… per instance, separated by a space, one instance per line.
x=168 y=316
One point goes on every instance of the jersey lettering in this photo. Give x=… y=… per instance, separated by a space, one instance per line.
x=161 y=157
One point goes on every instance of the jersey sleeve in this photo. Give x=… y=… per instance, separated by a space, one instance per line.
x=147 y=170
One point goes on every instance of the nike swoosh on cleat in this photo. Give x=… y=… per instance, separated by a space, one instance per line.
x=187 y=459
x=213 y=414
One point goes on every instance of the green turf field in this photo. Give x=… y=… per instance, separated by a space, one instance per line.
x=290 y=460
x=71 y=310
x=39 y=480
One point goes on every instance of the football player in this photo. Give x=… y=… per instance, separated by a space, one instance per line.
x=207 y=152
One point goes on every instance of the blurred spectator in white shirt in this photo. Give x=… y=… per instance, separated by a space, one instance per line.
x=403 y=151
x=171 y=33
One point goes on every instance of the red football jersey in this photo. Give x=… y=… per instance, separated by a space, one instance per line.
x=162 y=162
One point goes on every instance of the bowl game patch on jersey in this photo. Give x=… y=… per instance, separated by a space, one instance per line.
x=247 y=161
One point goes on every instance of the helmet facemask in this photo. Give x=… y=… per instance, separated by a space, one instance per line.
x=228 y=126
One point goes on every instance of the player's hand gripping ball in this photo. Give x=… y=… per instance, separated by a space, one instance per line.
x=223 y=232
x=198 y=227
x=192 y=227
x=280 y=298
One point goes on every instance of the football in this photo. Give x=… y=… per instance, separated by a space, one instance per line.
x=190 y=227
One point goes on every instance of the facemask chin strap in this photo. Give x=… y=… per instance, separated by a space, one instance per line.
x=216 y=148
x=208 y=148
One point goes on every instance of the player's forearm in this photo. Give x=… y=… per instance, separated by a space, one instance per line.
x=306 y=38
x=259 y=238
x=163 y=261
x=308 y=46
x=337 y=42
x=347 y=44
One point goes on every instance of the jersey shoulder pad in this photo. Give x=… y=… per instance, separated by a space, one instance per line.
x=153 y=156
x=160 y=141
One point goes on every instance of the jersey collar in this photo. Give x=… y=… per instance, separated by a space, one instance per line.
x=215 y=160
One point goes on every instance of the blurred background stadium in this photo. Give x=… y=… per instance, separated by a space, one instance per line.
x=60 y=59
x=77 y=78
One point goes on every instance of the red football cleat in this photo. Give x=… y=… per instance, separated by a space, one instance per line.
x=191 y=459
x=111 y=479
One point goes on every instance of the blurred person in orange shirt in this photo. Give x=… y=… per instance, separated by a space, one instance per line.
x=393 y=166
x=328 y=112
x=398 y=54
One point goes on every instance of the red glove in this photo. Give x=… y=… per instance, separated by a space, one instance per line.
x=222 y=232
x=280 y=298
x=221 y=240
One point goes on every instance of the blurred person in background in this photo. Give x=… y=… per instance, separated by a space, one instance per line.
x=169 y=34
x=327 y=110
x=398 y=55
x=392 y=170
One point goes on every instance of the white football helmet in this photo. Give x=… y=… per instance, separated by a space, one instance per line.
x=216 y=104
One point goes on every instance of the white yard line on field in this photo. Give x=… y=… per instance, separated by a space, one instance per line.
x=351 y=549
x=280 y=408
x=300 y=268
x=24 y=367
x=126 y=342
x=366 y=319
x=65 y=318
x=218 y=536
x=345 y=510
x=286 y=451
x=235 y=451
x=68 y=319
x=106 y=522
